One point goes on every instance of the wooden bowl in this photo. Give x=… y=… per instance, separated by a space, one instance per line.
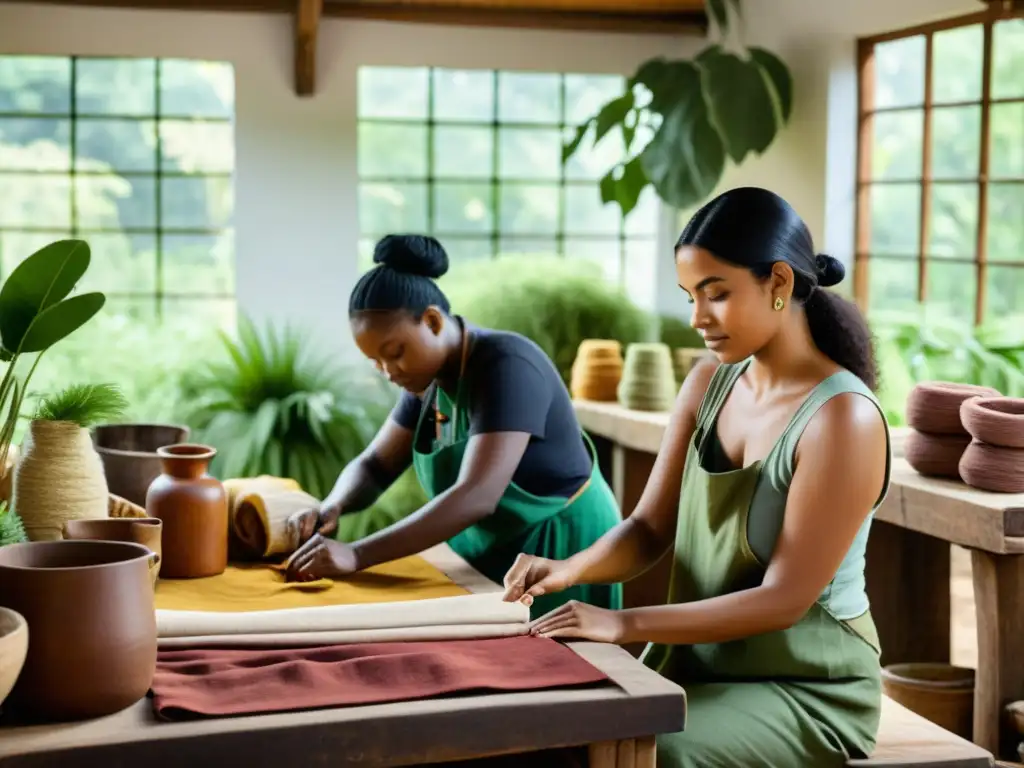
x=13 y=649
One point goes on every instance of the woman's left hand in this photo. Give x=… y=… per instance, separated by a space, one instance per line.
x=582 y=620
x=321 y=558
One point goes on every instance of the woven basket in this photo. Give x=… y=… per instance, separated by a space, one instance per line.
x=648 y=379
x=597 y=370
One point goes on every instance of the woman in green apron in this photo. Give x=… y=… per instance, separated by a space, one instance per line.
x=486 y=422
x=774 y=460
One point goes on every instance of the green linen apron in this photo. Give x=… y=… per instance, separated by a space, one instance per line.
x=802 y=697
x=553 y=527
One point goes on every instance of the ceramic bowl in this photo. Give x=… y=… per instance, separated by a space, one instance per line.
x=13 y=649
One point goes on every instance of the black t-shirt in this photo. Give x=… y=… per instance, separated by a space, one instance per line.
x=514 y=387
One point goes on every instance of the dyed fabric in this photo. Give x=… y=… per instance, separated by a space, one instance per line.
x=262 y=587
x=199 y=683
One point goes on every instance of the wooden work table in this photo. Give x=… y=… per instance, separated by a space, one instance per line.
x=616 y=723
x=908 y=562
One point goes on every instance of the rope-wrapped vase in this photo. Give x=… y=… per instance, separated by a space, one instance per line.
x=58 y=478
x=934 y=406
x=648 y=379
x=597 y=370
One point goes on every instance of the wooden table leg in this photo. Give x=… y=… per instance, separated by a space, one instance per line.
x=999 y=607
x=628 y=753
x=908 y=583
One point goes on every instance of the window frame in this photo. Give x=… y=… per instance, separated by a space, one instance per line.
x=866 y=111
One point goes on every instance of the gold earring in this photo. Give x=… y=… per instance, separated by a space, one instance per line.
x=779 y=304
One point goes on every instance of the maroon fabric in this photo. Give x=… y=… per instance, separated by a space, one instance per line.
x=226 y=682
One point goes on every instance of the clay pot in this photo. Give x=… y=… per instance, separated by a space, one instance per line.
x=596 y=371
x=145 y=531
x=992 y=468
x=58 y=478
x=13 y=648
x=995 y=420
x=941 y=693
x=935 y=455
x=128 y=452
x=89 y=607
x=934 y=406
x=194 y=509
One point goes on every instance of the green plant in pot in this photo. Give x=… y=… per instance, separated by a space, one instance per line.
x=37 y=311
x=681 y=120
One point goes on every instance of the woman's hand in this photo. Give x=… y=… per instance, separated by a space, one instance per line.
x=322 y=519
x=581 y=620
x=532 y=576
x=321 y=558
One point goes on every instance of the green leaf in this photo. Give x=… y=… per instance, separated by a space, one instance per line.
x=719 y=11
x=740 y=103
x=625 y=188
x=779 y=77
x=60 y=320
x=568 y=150
x=629 y=128
x=39 y=282
x=607 y=186
x=686 y=158
x=613 y=113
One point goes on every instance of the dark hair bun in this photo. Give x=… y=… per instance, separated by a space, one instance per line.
x=412 y=254
x=830 y=270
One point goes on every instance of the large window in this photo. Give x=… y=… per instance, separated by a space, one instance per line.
x=940 y=200
x=136 y=157
x=474 y=158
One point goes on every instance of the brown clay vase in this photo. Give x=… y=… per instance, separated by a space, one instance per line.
x=193 y=507
x=129 y=455
x=145 y=531
x=92 y=625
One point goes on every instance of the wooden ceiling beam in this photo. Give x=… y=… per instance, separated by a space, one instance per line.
x=307 y=26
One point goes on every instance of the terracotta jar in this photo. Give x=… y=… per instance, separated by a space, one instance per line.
x=92 y=626
x=145 y=531
x=193 y=507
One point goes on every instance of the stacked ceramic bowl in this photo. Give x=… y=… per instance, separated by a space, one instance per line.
x=938 y=439
x=648 y=378
x=994 y=459
x=597 y=370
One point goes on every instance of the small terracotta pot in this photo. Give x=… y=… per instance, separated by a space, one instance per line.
x=991 y=468
x=941 y=693
x=140 y=530
x=194 y=509
x=13 y=649
x=90 y=610
x=935 y=455
x=995 y=420
x=934 y=406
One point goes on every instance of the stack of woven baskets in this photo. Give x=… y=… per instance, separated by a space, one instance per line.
x=994 y=460
x=597 y=370
x=648 y=378
x=938 y=439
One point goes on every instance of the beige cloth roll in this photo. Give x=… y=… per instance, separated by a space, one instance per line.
x=267 y=522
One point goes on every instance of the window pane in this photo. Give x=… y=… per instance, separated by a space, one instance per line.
x=35 y=84
x=899 y=72
x=364 y=261
x=461 y=94
x=892 y=284
x=895 y=213
x=954 y=221
x=1006 y=222
x=393 y=92
x=463 y=249
x=529 y=209
x=1005 y=294
x=206 y=313
x=16 y=246
x=197 y=89
x=196 y=202
x=1006 y=158
x=35 y=144
x=35 y=200
x=643 y=220
x=115 y=86
x=199 y=264
x=463 y=153
x=529 y=98
x=385 y=208
x=1007 y=59
x=639 y=278
x=113 y=202
x=956 y=142
x=529 y=153
x=592 y=162
x=585 y=214
x=197 y=147
x=953 y=287
x=956 y=68
x=121 y=263
x=395 y=151
x=896 y=145
x=463 y=207
x=527 y=246
x=115 y=145
x=586 y=94
x=607 y=254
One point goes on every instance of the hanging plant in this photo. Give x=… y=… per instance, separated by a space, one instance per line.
x=695 y=115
